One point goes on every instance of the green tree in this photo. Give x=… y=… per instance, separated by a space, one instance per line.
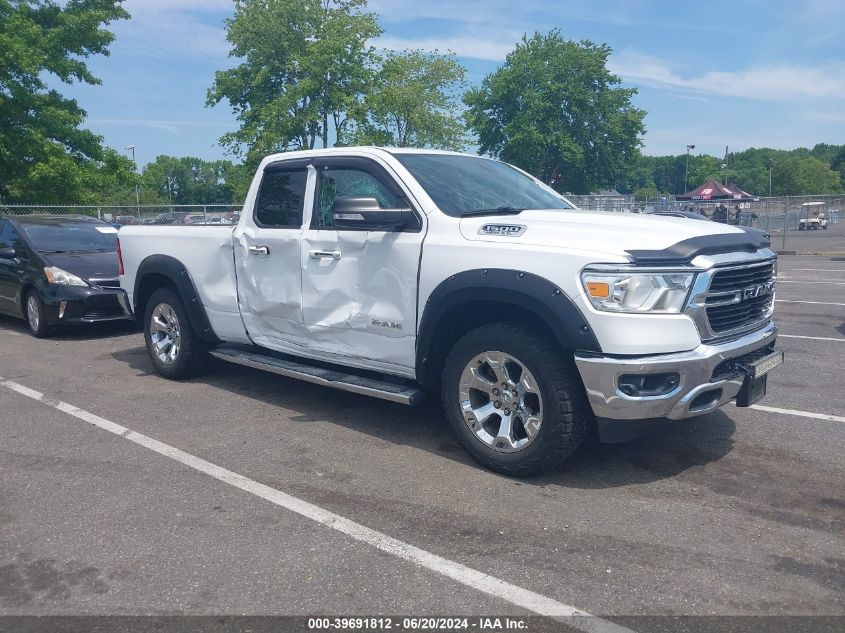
x=703 y=168
x=191 y=180
x=826 y=152
x=794 y=172
x=796 y=175
x=304 y=64
x=838 y=163
x=44 y=151
x=555 y=110
x=414 y=102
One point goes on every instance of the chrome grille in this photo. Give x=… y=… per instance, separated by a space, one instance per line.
x=731 y=303
x=736 y=278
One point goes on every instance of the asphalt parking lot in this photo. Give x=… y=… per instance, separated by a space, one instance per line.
x=258 y=495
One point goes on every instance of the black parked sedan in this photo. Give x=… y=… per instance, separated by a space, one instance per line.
x=58 y=269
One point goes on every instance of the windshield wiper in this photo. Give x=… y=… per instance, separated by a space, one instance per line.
x=68 y=252
x=496 y=211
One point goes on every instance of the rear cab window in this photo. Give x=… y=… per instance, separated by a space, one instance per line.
x=281 y=197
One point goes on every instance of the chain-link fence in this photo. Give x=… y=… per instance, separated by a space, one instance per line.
x=619 y=204
x=790 y=220
x=138 y=214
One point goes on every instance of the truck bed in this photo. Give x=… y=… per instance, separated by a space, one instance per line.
x=207 y=253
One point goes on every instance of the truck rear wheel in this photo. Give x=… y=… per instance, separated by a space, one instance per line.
x=517 y=407
x=174 y=348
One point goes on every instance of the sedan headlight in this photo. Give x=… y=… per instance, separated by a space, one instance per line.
x=62 y=277
x=630 y=291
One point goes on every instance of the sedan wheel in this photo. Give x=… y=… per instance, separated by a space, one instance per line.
x=33 y=312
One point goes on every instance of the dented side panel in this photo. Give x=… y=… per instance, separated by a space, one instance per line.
x=362 y=303
x=267 y=263
x=270 y=286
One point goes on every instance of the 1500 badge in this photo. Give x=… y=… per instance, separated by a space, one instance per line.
x=509 y=230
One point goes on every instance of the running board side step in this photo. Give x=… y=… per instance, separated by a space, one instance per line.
x=383 y=389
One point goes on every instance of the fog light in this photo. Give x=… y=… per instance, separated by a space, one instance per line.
x=706 y=400
x=62 y=308
x=643 y=385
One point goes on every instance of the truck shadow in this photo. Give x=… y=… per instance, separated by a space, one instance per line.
x=670 y=451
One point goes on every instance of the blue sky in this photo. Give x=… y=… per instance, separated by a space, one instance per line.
x=747 y=73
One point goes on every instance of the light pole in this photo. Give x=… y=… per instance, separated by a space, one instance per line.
x=726 y=165
x=686 y=170
x=131 y=148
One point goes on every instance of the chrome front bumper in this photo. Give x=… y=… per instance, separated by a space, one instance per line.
x=695 y=368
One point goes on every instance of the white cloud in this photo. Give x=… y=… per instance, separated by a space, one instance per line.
x=776 y=82
x=476 y=48
x=506 y=13
x=168 y=29
x=837 y=118
x=164 y=125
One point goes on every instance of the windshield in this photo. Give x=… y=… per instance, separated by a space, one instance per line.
x=463 y=185
x=72 y=237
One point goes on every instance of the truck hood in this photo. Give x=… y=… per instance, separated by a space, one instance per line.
x=614 y=233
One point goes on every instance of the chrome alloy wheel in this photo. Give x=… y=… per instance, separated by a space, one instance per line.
x=32 y=313
x=500 y=401
x=165 y=334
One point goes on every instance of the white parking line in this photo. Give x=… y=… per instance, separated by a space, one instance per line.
x=813 y=338
x=480 y=581
x=814 y=270
x=5 y=332
x=803 y=414
x=818 y=303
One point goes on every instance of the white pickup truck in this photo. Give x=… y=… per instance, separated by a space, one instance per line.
x=392 y=272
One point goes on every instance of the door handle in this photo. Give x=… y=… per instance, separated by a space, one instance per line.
x=259 y=250
x=322 y=254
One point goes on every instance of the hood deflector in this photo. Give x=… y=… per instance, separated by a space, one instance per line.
x=685 y=251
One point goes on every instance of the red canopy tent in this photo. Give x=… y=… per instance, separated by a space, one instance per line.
x=712 y=190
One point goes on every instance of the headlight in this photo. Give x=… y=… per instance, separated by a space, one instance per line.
x=62 y=277
x=630 y=291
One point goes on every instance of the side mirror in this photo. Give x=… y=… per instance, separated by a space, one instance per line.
x=8 y=253
x=361 y=212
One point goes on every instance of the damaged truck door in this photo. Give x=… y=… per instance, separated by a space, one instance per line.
x=360 y=259
x=267 y=249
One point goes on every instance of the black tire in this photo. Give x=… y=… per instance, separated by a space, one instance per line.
x=566 y=412
x=192 y=352
x=37 y=323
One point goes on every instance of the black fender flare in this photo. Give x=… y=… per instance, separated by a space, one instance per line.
x=523 y=290
x=175 y=271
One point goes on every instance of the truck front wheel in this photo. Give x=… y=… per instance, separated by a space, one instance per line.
x=515 y=402
x=174 y=348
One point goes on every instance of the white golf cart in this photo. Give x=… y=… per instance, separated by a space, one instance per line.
x=812 y=217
